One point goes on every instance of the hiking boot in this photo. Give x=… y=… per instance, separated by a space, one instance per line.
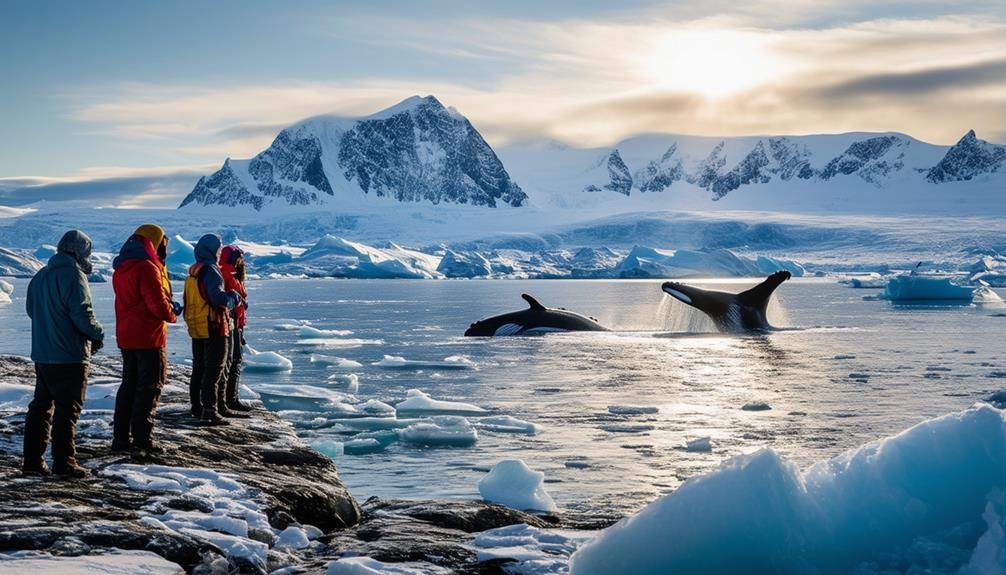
x=38 y=469
x=238 y=405
x=212 y=418
x=70 y=471
x=149 y=448
x=121 y=447
x=231 y=414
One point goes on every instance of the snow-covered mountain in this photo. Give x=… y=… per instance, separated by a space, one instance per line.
x=415 y=151
x=700 y=170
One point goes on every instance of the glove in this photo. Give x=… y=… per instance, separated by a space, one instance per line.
x=177 y=307
x=96 y=345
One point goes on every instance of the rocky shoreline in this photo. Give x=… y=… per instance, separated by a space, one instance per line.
x=246 y=498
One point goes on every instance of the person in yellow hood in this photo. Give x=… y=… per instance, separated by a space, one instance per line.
x=144 y=307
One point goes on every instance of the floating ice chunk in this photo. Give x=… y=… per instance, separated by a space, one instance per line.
x=291 y=325
x=440 y=431
x=265 y=361
x=984 y=295
x=451 y=362
x=417 y=402
x=112 y=562
x=292 y=537
x=871 y=280
x=339 y=342
x=506 y=424
x=350 y=381
x=758 y=514
x=924 y=287
x=308 y=332
x=699 y=445
x=632 y=409
x=5 y=298
x=374 y=407
x=998 y=398
x=362 y=445
x=377 y=423
x=756 y=406
x=328 y=447
x=512 y=483
x=334 y=361
x=305 y=398
x=368 y=566
x=6 y=287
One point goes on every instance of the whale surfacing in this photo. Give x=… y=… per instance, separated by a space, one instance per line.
x=535 y=319
x=733 y=313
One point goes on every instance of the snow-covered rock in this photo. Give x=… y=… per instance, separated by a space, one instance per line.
x=512 y=483
x=967 y=159
x=937 y=482
x=415 y=151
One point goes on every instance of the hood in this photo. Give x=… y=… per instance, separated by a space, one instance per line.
x=137 y=247
x=207 y=250
x=230 y=254
x=195 y=268
x=77 y=245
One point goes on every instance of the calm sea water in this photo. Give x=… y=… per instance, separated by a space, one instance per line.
x=855 y=371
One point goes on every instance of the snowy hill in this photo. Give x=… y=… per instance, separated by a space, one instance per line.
x=415 y=151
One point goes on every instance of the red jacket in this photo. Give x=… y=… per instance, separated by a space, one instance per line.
x=142 y=297
x=227 y=259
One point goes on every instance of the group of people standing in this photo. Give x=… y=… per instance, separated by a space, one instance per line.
x=65 y=333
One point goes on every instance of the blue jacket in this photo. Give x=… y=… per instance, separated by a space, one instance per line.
x=62 y=321
x=207 y=252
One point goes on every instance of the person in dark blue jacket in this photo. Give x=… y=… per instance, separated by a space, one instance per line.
x=207 y=312
x=64 y=334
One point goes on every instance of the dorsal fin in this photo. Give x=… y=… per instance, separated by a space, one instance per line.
x=532 y=302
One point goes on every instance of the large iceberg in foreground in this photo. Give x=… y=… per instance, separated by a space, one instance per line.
x=932 y=495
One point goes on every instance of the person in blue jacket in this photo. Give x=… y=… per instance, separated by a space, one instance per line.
x=64 y=334
x=208 y=305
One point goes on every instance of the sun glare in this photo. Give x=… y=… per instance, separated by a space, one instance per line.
x=710 y=62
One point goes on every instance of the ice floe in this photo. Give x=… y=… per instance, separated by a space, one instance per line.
x=505 y=424
x=512 y=483
x=451 y=362
x=334 y=361
x=632 y=409
x=926 y=287
x=440 y=431
x=418 y=402
x=699 y=445
x=305 y=398
x=265 y=361
x=308 y=332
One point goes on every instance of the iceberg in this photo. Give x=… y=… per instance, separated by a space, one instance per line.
x=464 y=265
x=926 y=287
x=18 y=263
x=333 y=361
x=419 y=403
x=647 y=262
x=932 y=486
x=512 y=483
x=338 y=257
x=265 y=361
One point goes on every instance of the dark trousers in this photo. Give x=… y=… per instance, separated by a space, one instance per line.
x=144 y=372
x=209 y=371
x=59 y=398
x=232 y=389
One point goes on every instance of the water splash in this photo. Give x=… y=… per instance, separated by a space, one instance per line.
x=675 y=316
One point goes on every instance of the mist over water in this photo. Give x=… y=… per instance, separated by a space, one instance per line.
x=856 y=371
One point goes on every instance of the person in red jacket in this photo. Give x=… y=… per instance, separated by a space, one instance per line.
x=143 y=309
x=232 y=267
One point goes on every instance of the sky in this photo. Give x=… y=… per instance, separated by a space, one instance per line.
x=142 y=97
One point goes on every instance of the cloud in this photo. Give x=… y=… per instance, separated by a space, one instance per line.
x=120 y=187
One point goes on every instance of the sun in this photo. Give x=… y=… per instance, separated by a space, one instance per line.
x=711 y=62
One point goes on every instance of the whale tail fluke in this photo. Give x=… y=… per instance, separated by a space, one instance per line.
x=532 y=302
x=759 y=295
